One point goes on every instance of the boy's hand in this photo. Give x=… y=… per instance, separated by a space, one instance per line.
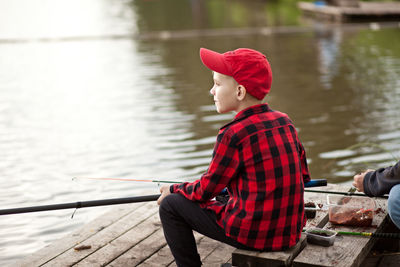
x=359 y=180
x=164 y=192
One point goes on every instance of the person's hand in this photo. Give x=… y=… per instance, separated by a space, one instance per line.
x=358 y=182
x=164 y=192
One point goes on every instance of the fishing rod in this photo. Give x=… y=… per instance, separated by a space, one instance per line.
x=364 y=234
x=341 y=193
x=80 y=204
x=311 y=183
x=127 y=180
x=380 y=235
x=104 y=202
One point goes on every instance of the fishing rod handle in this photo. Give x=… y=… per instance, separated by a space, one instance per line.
x=387 y=235
x=316 y=182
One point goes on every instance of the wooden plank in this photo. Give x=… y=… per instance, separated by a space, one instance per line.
x=347 y=250
x=277 y=258
x=123 y=243
x=220 y=254
x=103 y=237
x=371 y=10
x=212 y=253
x=141 y=251
x=206 y=246
x=163 y=257
x=71 y=240
x=167 y=259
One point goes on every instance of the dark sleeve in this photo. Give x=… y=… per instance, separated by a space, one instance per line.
x=379 y=182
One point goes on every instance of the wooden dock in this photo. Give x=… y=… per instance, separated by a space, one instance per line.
x=131 y=235
x=365 y=11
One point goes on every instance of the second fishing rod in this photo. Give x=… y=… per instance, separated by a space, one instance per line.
x=312 y=183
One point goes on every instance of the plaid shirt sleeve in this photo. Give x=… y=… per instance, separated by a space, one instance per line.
x=261 y=161
x=304 y=165
x=224 y=165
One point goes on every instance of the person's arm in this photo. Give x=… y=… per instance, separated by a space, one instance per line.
x=379 y=182
x=223 y=167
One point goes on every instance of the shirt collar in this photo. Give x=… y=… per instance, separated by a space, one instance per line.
x=256 y=109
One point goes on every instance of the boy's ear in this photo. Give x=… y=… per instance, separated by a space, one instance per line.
x=241 y=92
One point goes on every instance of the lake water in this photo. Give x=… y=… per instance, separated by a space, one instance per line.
x=116 y=88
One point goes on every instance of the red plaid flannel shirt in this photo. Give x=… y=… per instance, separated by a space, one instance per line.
x=260 y=159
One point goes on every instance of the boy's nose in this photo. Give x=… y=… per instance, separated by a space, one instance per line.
x=212 y=91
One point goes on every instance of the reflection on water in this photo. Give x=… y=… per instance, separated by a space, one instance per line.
x=140 y=108
x=208 y=14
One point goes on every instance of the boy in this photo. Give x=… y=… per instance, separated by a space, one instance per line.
x=380 y=182
x=257 y=157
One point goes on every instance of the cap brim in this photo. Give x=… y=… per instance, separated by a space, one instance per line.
x=214 y=61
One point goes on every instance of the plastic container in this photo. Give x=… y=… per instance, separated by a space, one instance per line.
x=351 y=210
x=321 y=237
x=310 y=210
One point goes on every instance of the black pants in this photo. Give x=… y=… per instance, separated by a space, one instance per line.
x=179 y=216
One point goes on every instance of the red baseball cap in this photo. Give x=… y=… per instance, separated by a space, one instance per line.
x=248 y=67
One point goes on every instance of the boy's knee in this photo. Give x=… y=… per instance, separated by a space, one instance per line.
x=394 y=205
x=394 y=196
x=168 y=203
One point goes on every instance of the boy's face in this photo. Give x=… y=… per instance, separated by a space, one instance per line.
x=224 y=92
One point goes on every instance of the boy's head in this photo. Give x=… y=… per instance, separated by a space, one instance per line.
x=248 y=67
